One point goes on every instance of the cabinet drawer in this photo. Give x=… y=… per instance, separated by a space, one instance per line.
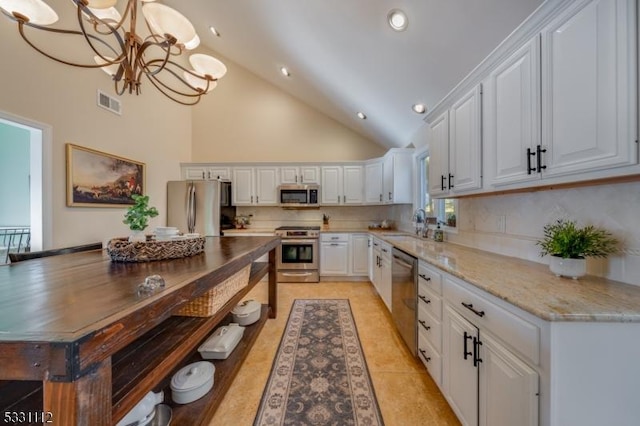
x=334 y=238
x=430 y=301
x=430 y=358
x=512 y=329
x=430 y=327
x=430 y=277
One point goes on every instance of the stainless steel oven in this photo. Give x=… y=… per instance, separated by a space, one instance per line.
x=297 y=257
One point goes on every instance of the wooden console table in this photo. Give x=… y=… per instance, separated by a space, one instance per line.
x=80 y=346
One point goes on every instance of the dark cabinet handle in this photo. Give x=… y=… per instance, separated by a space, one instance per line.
x=450 y=181
x=476 y=352
x=529 y=155
x=472 y=309
x=424 y=324
x=442 y=178
x=465 y=351
x=424 y=277
x=539 y=151
x=424 y=355
x=424 y=299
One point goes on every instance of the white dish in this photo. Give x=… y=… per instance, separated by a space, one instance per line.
x=222 y=342
x=247 y=312
x=192 y=382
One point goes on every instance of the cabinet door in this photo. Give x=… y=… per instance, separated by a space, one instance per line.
x=372 y=258
x=309 y=174
x=459 y=376
x=242 y=186
x=508 y=387
x=465 y=140
x=334 y=258
x=353 y=185
x=359 y=255
x=589 y=88
x=512 y=116
x=267 y=181
x=195 y=173
x=387 y=179
x=289 y=174
x=331 y=187
x=439 y=155
x=219 y=173
x=373 y=183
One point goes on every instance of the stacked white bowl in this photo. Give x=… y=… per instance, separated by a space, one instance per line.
x=164 y=233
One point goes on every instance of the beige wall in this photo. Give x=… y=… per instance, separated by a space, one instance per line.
x=248 y=119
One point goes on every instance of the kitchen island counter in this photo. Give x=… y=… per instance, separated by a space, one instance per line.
x=63 y=318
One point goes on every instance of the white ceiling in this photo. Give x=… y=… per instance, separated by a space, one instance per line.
x=344 y=58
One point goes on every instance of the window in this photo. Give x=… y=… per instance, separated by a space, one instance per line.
x=445 y=210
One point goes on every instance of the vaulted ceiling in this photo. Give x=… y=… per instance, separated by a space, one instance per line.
x=344 y=57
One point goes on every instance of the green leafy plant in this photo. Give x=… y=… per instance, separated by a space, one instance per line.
x=137 y=216
x=564 y=239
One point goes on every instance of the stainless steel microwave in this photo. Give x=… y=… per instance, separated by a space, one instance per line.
x=300 y=195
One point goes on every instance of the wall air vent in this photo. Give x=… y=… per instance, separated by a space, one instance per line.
x=109 y=102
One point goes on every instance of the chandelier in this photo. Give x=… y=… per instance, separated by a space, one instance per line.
x=123 y=53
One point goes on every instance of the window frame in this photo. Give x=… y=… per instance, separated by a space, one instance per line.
x=422 y=193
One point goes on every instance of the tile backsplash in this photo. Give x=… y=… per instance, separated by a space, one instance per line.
x=615 y=208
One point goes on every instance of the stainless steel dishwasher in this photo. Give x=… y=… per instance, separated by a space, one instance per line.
x=404 y=272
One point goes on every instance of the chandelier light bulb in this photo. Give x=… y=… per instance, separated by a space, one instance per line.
x=165 y=20
x=207 y=65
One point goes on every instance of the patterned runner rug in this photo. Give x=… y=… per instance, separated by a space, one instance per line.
x=319 y=375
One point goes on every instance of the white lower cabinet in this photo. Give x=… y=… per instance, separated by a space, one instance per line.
x=381 y=274
x=344 y=255
x=486 y=381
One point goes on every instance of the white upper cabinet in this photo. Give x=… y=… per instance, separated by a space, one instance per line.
x=512 y=116
x=439 y=155
x=455 y=147
x=397 y=176
x=302 y=174
x=206 y=173
x=255 y=186
x=589 y=87
x=373 y=182
x=465 y=142
x=341 y=185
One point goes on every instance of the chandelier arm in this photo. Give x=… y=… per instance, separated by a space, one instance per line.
x=180 y=79
x=159 y=85
x=114 y=32
x=164 y=45
x=21 y=25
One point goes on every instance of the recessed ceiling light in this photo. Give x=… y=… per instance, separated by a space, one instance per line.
x=361 y=115
x=398 y=20
x=285 y=71
x=419 y=108
x=214 y=31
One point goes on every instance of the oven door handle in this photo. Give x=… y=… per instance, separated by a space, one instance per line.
x=298 y=241
x=297 y=274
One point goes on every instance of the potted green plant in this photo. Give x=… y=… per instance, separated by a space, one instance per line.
x=570 y=245
x=137 y=216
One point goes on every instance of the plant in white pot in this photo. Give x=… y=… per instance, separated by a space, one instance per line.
x=137 y=217
x=570 y=245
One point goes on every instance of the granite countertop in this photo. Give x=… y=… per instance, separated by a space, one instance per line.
x=529 y=285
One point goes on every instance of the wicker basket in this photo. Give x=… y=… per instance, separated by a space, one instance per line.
x=122 y=250
x=211 y=302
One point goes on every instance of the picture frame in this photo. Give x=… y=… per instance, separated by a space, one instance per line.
x=99 y=179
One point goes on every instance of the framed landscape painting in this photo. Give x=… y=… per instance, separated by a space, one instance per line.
x=98 y=179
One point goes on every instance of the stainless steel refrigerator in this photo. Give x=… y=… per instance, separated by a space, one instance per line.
x=195 y=206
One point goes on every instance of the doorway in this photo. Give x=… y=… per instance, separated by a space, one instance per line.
x=26 y=188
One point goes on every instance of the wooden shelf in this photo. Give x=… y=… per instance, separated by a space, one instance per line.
x=143 y=365
x=20 y=396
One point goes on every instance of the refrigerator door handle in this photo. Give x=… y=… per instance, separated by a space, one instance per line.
x=191 y=208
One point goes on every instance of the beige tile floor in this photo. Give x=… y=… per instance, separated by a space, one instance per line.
x=406 y=394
